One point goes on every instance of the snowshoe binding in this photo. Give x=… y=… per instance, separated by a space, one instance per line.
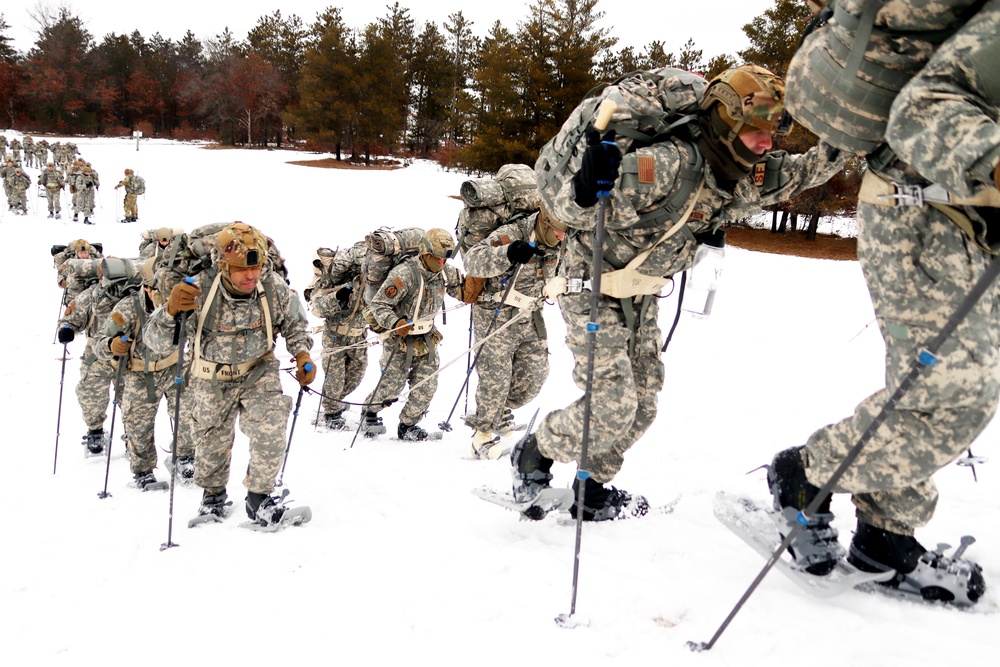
x=410 y=432
x=214 y=508
x=94 y=441
x=334 y=421
x=815 y=547
x=930 y=575
x=146 y=481
x=270 y=514
x=487 y=446
x=371 y=424
x=606 y=503
x=531 y=476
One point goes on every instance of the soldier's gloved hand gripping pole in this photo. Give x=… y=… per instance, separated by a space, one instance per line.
x=308 y=367
x=600 y=169
x=180 y=339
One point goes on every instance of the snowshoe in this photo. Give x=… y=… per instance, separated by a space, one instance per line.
x=930 y=575
x=410 y=432
x=335 y=421
x=270 y=514
x=371 y=425
x=86 y=220
x=95 y=441
x=815 y=547
x=486 y=446
x=76 y=217
x=214 y=508
x=531 y=476
x=605 y=503
x=146 y=481
x=58 y=216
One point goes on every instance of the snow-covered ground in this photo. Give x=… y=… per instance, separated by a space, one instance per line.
x=401 y=562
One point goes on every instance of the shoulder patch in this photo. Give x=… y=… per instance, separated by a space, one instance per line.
x=398 y=282
x=504 y=239
x=117 y=318
x=391 y=291
x=647 y=169
x=70 y=308
x=758 y=174
x=696 y=215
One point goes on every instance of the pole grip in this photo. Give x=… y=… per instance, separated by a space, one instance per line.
x=604 y=113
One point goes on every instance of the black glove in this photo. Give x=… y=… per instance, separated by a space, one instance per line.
x=66 y=335
x=343 y=296
x=599 y=170
x=90 y=185
x=521 y=252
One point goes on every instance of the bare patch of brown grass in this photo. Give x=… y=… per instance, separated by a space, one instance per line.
x=762 y=240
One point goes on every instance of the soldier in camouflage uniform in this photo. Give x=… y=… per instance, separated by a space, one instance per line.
x=404 y=307
x=336 y=297
x=3 y=146
x=86 y=183
x=7 y=170
x=239 y=306
x=147 y=379
x=737 y=114
x=29 y=152
x=15 y=149
x=41 y=152
x=513 y=364
x=19 y=183
x=86 y=313
x=920 y=258
x=131 y=184
x=53 y=182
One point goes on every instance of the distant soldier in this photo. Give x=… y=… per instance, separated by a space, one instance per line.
x=3 y=146
x=41 y=152
x=54 y=183
x=6 y=171
x=134 y=186
x=29 y=151
x=15 y=149
x=86 y=183
x=19 y=183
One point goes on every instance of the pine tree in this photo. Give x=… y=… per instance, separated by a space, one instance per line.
x=432 y=78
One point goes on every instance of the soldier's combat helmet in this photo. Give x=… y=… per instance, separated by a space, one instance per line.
x=241 y=246
x=546 y=228
x=438 y=242
x=741 y=100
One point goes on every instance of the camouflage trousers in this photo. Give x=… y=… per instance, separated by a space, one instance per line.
x=512 y=366
x=343 y=369
x=131 y=206
x=624 y=389
x=54 y=197
x=263 y=411
x=85 y=201
x=18 y=199
x=396 y=373
x=139 y=415
x=918 y=267
x=93 y=391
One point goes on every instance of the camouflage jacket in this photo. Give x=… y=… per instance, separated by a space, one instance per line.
x=87 y=312
x=235 y=328
x=345 y=269
x=488 y=259
x=80 y=180
x=52 y=180
x=127 y=318
x=17 y=181
x=944 y=122
x=397 y=297
x=778 y=177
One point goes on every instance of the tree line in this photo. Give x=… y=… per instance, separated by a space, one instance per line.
x=474 y=103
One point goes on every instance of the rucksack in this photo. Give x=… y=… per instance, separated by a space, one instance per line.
x=652 y=106
x=491 y=202
x=845 y=76
x=76 y=275
x=138 y=184
x=387 y=248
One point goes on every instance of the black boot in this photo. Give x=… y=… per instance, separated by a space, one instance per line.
x=144 y=479
x=531 y=469
x=603 y=503
x=410 y=432
x=94 y=440
x=372 y=425
x=929 y=574
x=264 y=509
x=216 y=503
x=815 y=547
x=335 y=421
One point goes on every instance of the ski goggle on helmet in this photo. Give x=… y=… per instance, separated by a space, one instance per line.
x=438 y=242
x=241 y=247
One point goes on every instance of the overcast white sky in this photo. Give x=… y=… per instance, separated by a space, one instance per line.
x=715 y=25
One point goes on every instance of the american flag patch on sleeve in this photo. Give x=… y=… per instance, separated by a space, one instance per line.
x=647 y=169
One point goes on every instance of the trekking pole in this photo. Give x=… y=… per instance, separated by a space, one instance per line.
x=291 y=432
x=62 y=377
x=468 y=363
x=924 y=360
x=604 y=112
x=510 y=280
x=395 y=349
x=180 y=334
x=111 y=431
x=117 y=219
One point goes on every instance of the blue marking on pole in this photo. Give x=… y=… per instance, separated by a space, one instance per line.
x=926 y=358
x=178 y=380
x=308 y=367
x=593 y=327
x=189 y=280
x=582 y=475
x=801 y=518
